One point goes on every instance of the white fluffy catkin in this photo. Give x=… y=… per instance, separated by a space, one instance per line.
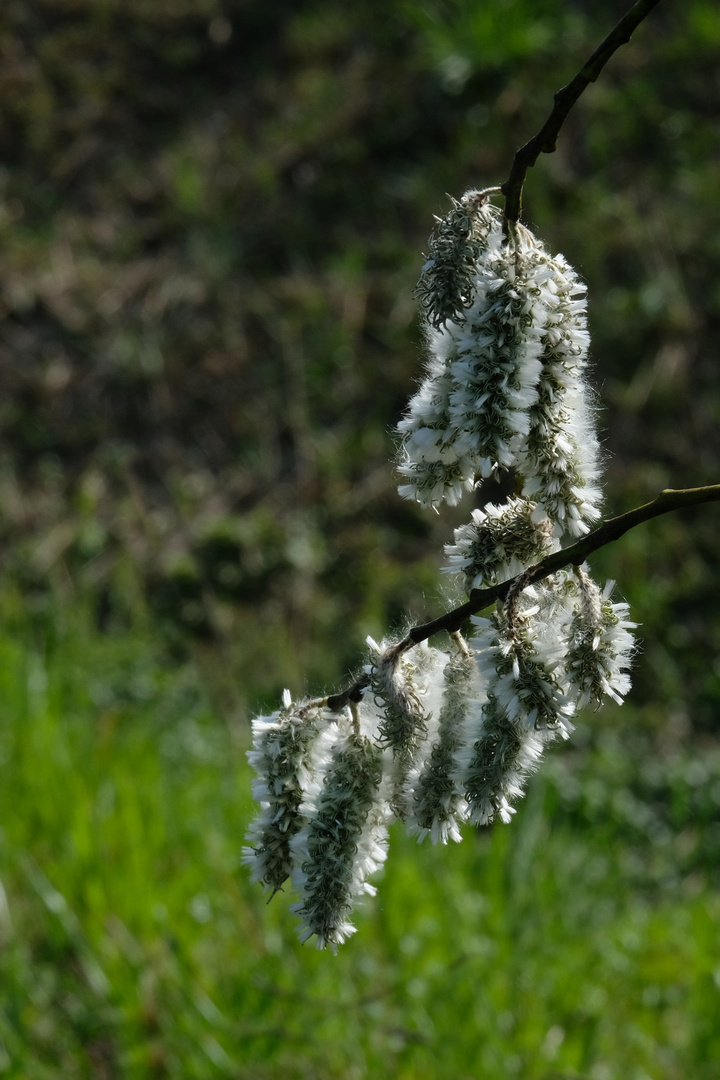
x=284 y=756
x=343 y=840
x=436 y=806
x=505 y=383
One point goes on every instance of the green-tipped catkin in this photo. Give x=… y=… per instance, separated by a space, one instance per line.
x=499 y=542
x=525 y=707
x=342 y=843
x=495 y=759
x=403 y=719
x=407 y=692
x=559 y=459
x=445 y=287
x=285 y=756
x=436 y=806
x=600 y=645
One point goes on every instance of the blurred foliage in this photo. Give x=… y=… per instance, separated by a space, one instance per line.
x=212 y=214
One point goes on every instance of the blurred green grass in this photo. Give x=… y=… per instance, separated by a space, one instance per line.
x=212 y=216
x=580 y=941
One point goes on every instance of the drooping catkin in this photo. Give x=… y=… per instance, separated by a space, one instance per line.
x=505 y=386
x=600 y=645
x=559 y=459
x=436 y=805
x=285 y=755
x=470 y=411
x=524 y=708
x=343 y=840
x=497 y=756
x=406 y=687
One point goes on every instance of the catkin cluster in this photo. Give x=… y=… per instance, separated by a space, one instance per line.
x=505 y=383
x=440 y=738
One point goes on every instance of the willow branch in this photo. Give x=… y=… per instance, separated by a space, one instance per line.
x=575 y=555
x=545 y=142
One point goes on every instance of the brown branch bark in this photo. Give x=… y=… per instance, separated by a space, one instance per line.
x=545 y=142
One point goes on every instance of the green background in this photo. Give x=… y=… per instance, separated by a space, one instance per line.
x=212 y=218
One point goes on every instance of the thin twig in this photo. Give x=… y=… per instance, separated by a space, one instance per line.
x=575 y=555
x=545 y=142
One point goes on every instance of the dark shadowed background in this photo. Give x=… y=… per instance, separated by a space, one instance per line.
x=212 y=219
